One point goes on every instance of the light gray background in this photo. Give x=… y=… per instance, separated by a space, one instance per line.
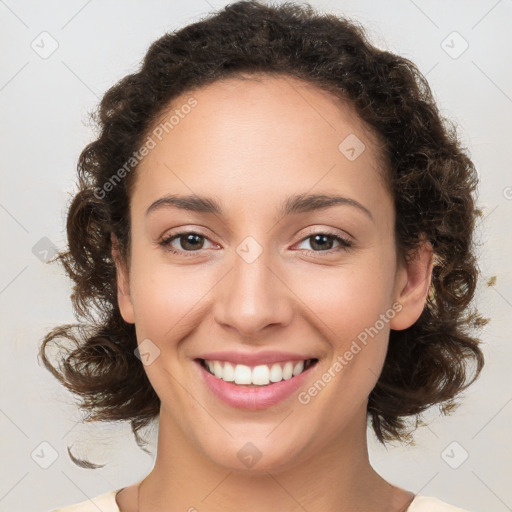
x=44 y=104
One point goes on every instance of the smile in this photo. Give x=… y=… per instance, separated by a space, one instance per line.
x=254 y=387
x=260 y=375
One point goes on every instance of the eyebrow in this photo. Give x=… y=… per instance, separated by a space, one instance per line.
x=300 y=203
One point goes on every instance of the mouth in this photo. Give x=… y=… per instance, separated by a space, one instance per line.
x=257 y=387
x=263 y=375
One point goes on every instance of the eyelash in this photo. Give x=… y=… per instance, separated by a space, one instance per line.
x=345 y=244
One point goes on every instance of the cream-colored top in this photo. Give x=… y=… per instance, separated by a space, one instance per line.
x=107 y=503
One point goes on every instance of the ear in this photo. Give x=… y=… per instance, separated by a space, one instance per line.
x=123 y=283
x=412 y=285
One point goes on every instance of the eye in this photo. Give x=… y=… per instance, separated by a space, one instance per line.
x=323 y=242
x=190 y=242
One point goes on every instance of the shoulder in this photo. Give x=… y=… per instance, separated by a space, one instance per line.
x=430 y=504
x=105 y=502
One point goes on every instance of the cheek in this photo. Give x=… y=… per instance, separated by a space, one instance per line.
x=166 y=298
x=349 y=298
x=353 y=306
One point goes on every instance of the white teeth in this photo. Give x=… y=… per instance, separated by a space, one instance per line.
x=228 y=373
x=217 y=369
x=260 y=375
x=242 y=374
x=276 y=373
x=298 y=368
x=288 y=371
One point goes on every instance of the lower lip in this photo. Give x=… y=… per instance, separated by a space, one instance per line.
x=252 y=398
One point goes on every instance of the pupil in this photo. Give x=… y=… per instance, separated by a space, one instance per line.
x=316 y=238
x=190 y=239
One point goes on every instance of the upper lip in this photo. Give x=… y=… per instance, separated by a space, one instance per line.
x=254 y=358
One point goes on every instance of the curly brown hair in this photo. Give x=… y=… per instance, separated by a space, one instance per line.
x=429 y=174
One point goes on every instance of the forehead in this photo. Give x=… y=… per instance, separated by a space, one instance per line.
x=256 y=137
x=260 y=102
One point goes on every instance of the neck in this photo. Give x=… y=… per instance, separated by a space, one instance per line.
x=337 y=477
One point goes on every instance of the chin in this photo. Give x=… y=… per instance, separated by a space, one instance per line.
x=259 y=456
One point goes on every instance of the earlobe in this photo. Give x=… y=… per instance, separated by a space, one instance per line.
x=123 y=283
x=412 y=286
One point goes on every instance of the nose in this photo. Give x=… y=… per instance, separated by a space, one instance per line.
x=253 y=296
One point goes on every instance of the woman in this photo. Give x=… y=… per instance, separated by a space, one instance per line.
x=275 y=225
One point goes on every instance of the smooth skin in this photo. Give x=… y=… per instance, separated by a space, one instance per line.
x=251 y=144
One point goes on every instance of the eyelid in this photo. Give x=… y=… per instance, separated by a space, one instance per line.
x=317 y=230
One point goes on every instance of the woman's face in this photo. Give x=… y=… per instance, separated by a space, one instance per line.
x=265 y=275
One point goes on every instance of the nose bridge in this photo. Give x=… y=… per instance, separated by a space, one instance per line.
x=252 y=295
